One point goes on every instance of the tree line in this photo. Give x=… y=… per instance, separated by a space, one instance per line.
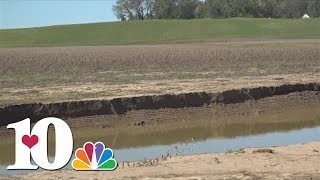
x=191 y=9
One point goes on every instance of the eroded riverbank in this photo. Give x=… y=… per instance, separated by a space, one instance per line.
x=121 y=106
x=212 y=127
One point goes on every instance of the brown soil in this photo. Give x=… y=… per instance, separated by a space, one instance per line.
x=269 y=105
x=46 y=75
x=236 y=112
x=119 y=106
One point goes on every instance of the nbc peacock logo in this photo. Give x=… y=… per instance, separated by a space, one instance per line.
x=94 y=157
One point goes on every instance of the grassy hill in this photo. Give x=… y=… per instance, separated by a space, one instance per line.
x=159 y=31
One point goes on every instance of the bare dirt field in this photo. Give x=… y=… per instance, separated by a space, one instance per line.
x=80 y=73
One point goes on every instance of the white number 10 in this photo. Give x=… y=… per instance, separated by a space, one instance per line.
x=36 y=145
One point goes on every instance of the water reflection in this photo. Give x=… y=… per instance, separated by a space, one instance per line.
x=209 y=134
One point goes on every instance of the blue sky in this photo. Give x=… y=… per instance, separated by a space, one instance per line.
x=33 y=13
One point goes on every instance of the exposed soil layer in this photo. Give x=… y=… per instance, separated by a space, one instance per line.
x=138 y=128
x=120 y=106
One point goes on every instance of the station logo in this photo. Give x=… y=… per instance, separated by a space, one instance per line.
x=94 y=157
x=34 y=145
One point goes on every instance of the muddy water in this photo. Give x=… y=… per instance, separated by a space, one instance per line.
x=192 y=137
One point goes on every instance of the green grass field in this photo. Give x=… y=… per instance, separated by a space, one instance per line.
x=159 y=31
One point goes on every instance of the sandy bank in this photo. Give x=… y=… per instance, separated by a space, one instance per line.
x=288 y=162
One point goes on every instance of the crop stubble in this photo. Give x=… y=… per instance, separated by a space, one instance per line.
x=78 y=73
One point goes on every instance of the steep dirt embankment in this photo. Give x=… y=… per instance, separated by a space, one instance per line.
x=37 y=111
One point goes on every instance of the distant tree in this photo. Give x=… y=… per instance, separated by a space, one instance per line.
x=175 y=9
x=185 y=9
x=200 y=10
x=216 y=8
x=133 y=9
x=295 y=8
x=314 y=8
x=164 y=9
x=270 y=8
x=189 y=9
x=247 y=8
x=148 y=8
x=233 y=8
x=253 y=9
